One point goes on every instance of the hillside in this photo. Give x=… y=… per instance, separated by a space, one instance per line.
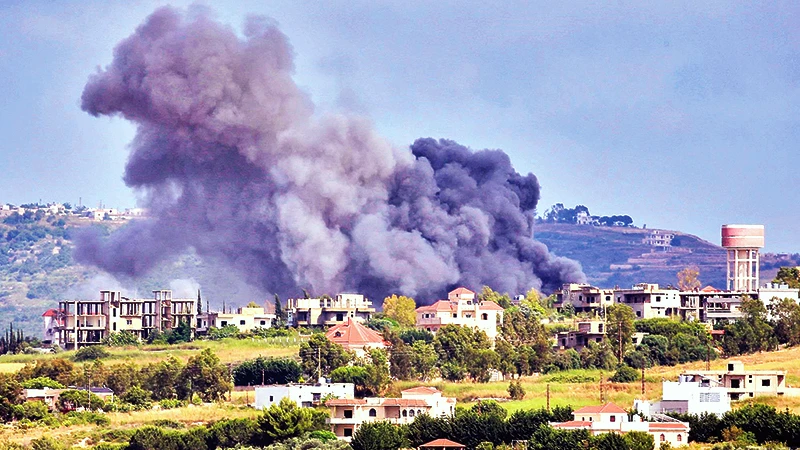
x=617 y=256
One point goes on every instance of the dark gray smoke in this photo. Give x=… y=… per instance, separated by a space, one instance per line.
x=233 y=163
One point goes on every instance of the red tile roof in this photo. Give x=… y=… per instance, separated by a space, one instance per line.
x=441 y=443
x=416 y=402
x=50 y=313
x=461 y=291
x=668 y=426
x=441 y=305
x=607 y=408
x=421 y=390
x=352 y=334
x=491 y=306
x=573 y=424
x=710 y=288
x=345 y=402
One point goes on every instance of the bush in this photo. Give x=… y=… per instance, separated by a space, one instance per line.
x=121 y=339
x=47 y=443
x=625 y=374
x=137 y=397
x=171 y=403
x=90 y=353
x=515 y=390
x=41 y=383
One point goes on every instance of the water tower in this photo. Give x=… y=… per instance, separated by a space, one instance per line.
x=742 y=243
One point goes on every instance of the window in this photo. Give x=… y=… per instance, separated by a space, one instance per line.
x=114 y=312
x=348 y=432
x=270 y=398
x=129 y=322
x=662 y=438
x=468 y=315
x=339 y=317
x=638 y=314
x=765 y=383
x=658 y=298
x=115 y=326
x=679 y=438
x=348 y=413
x=405 y=413
x=455 y=315
x=263 y=322
x=411 y=413
x=600 y=328
x=241 y=322
x=613 y=418
x=223 y=323
x=484 y=316
x=373 y=413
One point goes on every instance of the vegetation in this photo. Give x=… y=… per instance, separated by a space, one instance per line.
x=401 y=309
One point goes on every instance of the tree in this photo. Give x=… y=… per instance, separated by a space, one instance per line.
x=687 y=279
x=282 y=421
x=751 y=333
x=378 y=436
x=199 y=303
x=620 y=319
x=90 y=353
x=164 y=380
x=11 y=394
x=181 y=333
x=625 y=374
x=267 y=371
x=532 y=304
x=402 y=309
x=319 y=352
x=280 y=315
x=785 y=320
x=788 y=275
x=489 y=295
x=424 y=359
x=137 y=397
x=206 y=376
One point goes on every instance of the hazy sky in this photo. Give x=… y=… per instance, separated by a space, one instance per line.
x=682 y=115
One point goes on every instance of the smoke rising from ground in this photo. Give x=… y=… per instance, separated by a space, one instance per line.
x=233 y=163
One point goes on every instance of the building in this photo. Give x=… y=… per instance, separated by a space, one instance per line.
x=740 y=383
x=659 y=239
x=688 y=397
x=587 y=331
x=769 y=291
x=584 y=298
x=610 y=418
x=326 y=311
x=52 y=323
x=461 y=308
x=87 y=322
x=305 y=395
x=355 y=337
x=245 y=319
x=741 y=243
x=442 y=444
x=347 y=415
x=649 y=300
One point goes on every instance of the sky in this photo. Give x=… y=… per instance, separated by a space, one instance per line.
x=683 y=115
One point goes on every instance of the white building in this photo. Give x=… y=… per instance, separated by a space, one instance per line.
x=244 y=319
x=326 y=311
x=610 y=418
x=584 y=298
x=347 y=415
x=305 y=395
x=649 y=300
x=461 y=308
x=740 y=383
x=688 y=397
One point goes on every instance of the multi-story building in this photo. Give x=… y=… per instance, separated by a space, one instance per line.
x=649 y=300
x=87 y=322
x=688 y=397
x=587 y=331
x=584 y=298
x=610 y=418
x=326 y=311
x=305 y=395
x=245 y=319
x=461 y=308
x=740 y=383
x=659 y=238
x=347 y=415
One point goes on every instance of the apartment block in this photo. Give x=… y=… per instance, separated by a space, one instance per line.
x=584 y=298
x=649 y=300
x=86 y=322
x=740 y=383
x=326 y=311
x=244 y=319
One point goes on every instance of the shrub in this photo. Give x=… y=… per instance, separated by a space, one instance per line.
x=516 y=391
x=137 y=397
x=32 y=411
x=121 y=339
x=171 y=403
x=625 y=374
x=168 y=423
x=90 y=353
x=47 y=443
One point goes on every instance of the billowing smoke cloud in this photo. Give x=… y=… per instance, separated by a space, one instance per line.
x=234 y=164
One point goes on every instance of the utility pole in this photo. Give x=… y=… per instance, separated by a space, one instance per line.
x=319 y=363
x=602 y=397
x=548 y=397
x=642 y=381
x=619 y=339
x=708 y=356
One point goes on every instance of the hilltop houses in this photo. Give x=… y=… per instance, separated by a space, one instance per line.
x=461 y=308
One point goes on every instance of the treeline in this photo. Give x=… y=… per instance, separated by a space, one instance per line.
x=748 y=425
x=762 y=327
x=560 y=214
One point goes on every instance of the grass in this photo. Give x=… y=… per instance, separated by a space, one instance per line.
x=229 y=350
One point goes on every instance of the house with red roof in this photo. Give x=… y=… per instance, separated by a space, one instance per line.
x=348 y=414
x=52 y=323
x=461 y=308
x=356 y=337
x=610 y=418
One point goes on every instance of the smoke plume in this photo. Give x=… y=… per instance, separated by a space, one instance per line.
x=234 y=164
